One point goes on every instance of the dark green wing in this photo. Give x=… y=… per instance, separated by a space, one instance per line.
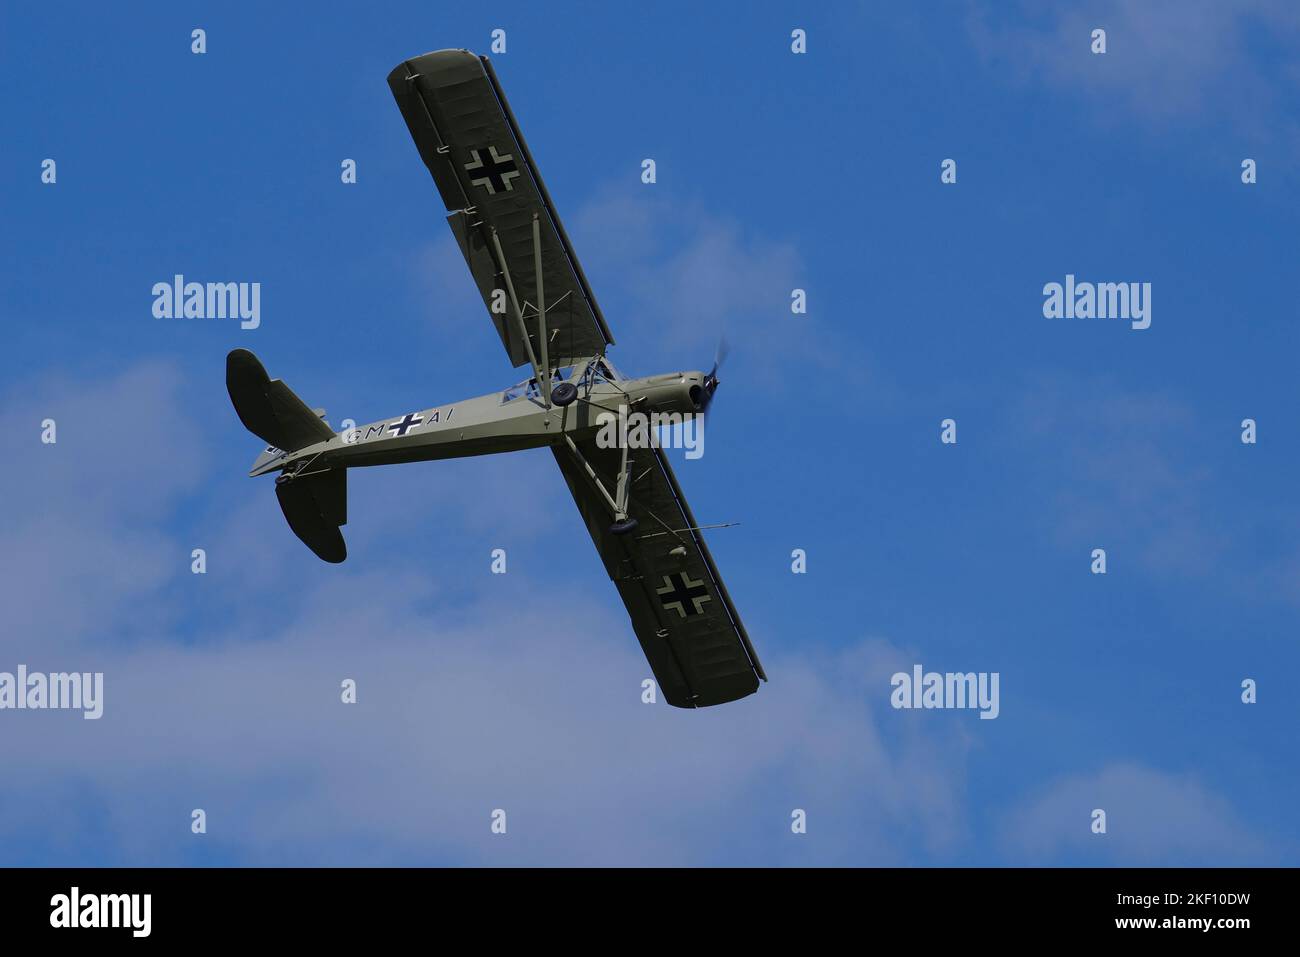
x=467 y=136
x=681 y=612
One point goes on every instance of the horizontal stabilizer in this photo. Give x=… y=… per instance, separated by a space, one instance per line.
x=315 y=506
x=268 y=408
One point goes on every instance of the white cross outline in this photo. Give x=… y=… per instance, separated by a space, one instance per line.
x=697 y=600
x=402 y=426
x=497 y=160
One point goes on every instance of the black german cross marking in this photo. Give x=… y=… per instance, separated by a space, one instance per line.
x=400 y=428
x=492 y=170
x=683 y=595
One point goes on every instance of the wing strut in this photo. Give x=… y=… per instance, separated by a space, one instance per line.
x=546 y=200
x=616 y=502
x=519 y=315
x=544 y=381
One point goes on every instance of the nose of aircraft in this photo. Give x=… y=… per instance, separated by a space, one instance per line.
x=697 y=389
x=709 y=387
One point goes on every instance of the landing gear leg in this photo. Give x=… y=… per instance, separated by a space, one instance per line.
x=623 y=523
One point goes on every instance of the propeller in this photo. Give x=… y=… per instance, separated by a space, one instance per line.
x=711 y=380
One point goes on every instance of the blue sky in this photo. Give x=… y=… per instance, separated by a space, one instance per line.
x=775 y=171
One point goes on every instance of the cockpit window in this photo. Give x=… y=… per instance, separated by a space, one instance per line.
x=515 y=391
x=529 y=387
x=602 y=371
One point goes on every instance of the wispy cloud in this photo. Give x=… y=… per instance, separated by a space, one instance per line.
x=85 y=530
x=1167 y=61
x=1153 y=818
x=682 y=277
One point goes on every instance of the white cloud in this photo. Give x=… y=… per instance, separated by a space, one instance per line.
x=683 y=277
x=1167 y=61
x=454 y=721
x=1153 y=818
x=83 y=534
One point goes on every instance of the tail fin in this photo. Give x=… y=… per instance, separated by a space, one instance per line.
x=315 y=506
x=268 y=408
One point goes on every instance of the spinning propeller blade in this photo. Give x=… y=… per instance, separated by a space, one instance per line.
x=711 y=380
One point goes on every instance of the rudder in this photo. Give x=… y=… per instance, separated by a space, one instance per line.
x=315 y=506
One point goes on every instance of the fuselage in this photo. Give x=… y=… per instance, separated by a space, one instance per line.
x=505 y=421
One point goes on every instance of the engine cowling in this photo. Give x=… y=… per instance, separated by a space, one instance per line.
x=675 y=392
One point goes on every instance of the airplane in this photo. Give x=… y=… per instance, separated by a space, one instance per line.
x=544 y=311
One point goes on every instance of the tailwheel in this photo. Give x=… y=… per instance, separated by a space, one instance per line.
x=623 y=527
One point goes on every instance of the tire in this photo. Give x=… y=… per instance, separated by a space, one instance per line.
x=564 y=394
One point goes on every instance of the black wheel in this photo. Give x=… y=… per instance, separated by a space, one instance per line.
x=623 y=527
x=564 y=394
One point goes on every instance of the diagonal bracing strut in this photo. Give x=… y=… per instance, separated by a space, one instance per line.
x=519 y=315
x=544 y=382
x=618 y=501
